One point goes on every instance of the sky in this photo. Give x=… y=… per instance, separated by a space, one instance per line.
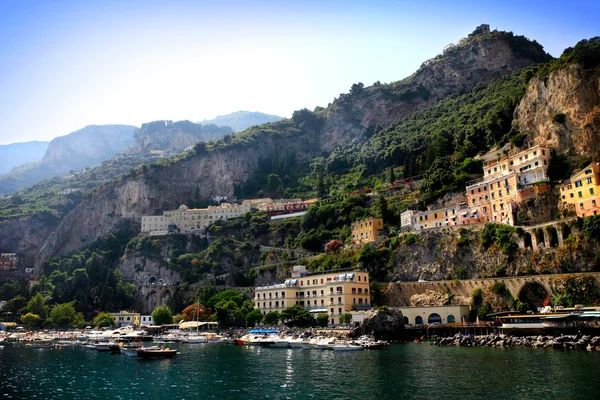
x=68 y=64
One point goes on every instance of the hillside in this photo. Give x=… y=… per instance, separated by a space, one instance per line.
x=242 y=120
x=14 y=154
x=84 y=148
x=234 y=164
x=174 y=137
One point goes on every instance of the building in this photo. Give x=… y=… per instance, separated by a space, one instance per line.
x=191 y=220
x=435 y=218
x=510 y=177
x=146 y=320
x=9 y=261
x=367 y=230
x=422 y=315
x=127 y=318
x=406 y=219
x=581 y=192
x=334 y=293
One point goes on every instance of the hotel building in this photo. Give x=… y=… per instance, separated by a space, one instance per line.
x=333 y=293
x=581 y=192
x=126 y=318
x=9 y=261
x=191 y=220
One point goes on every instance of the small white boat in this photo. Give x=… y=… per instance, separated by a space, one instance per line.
x=346 y=346
x=325 y=344
x=196 y=339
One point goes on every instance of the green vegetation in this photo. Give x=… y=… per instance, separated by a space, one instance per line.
x=104 y=319
x=271 y=318
x=162 y=315
x=64 y=315
x=502 y=235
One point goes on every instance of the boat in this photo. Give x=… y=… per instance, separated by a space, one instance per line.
x=325 y=344
x=192 y=339
x=150 y=353
x=40 y=344
x=107 y=346
x=347 y=346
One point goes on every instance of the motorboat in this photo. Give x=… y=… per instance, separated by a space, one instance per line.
x=325 y=344
x=150 y=353
x=192 y=339
x=108 y=346
x=346 y=346
x=40 y=344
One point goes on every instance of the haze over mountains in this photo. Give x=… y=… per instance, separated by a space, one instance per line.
x=25 y=164
x=14 y=154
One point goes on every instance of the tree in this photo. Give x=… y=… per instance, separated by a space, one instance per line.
x=392 y=176
x=31 y=320
x=15 y=304
x=382 y=208
x=162 y=315
x=296 y=316
x=104 y=319
x=273 y=182
x=177 y=318
x=272 y=318
x=65 y=315
x=322 y=320
x=345 y=318
x=37 y=305
x=231 y=294
x=193 y=312
x=253 y=317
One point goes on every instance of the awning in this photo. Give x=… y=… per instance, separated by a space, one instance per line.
x=474 y=211
x=263 y=331
x=359 y=307
x=319 y=310
x=463 y=213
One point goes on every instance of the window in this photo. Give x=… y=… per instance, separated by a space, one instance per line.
x=588 y=171
x=594 y=203
x=591 y=190
x=572 y=195
x=578 y=184
x=579 y=194
x=588 y=180
x=580 y=205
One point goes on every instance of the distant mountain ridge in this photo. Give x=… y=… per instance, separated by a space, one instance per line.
x=174 y=137
x=84 y=148
x=242 y=120
x=15 y=154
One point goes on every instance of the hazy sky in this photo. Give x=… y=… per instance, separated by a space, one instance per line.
x=68 y=64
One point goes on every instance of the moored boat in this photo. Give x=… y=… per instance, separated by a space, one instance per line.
x=149 y=353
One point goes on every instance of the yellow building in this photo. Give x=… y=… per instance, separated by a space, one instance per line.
x=434 y=218
x=333 y=293
x=367 y=230
x=127 y=318
x=581 y=192
x=9 y=261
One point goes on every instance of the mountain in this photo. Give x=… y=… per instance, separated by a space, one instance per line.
x=15 y=154
x=242 y=120
x=84 y=148
x=174 y=137
x=306 y=144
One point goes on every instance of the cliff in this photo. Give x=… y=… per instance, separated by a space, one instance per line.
x=242 y=120
x=481 y=59
x=562 y=106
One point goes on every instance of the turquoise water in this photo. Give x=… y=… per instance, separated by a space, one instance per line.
x=402 y=371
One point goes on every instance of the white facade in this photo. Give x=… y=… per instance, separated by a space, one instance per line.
x=406 y=219
x=146 y=320
x=191 y=220
x=430 y=315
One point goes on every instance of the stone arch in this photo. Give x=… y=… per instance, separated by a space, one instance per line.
x=533 y=294
x=527 y=242
x=434 y=318
x=152 y=280
x=539 y=237
x=405 y=320
x=565 y=231
x=552 y=236
x=419 y=320
x=451 y=319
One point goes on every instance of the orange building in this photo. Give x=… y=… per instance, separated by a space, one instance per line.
x=511 y=175
x=581 y=192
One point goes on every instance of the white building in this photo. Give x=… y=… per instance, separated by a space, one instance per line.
x=406 y=219
x=146 y=320
x=191 y=220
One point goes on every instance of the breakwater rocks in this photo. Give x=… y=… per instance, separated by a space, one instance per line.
x=567 y=342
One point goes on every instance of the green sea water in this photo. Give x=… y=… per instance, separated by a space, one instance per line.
x=402 y=371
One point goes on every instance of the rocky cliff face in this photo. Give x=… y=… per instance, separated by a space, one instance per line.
x=174 y=137
x=25 y=235
x=478 y=61
x=165 y=187
x=562 y=110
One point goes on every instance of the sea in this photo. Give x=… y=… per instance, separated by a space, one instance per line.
x=400 y=371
